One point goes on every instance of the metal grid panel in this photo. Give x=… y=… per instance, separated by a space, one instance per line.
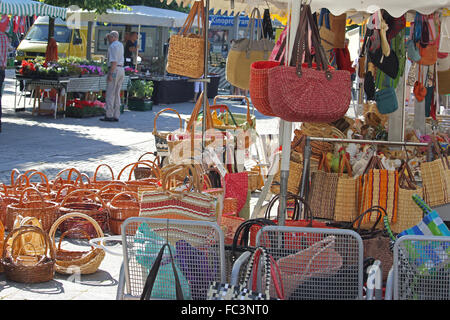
x=422 y=268
x=83 y=84
x=197 y=246
x=316 y=264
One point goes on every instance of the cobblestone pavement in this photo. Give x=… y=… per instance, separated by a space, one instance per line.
x=51 y=145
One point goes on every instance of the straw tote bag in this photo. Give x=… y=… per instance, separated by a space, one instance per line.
x=245 y=51
x=435 y=179
x=187 y=50
x=409 y=213
x=345 y=207
x=305 y=94
x=323 y=191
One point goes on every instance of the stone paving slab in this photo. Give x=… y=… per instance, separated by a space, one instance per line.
x=51 y=145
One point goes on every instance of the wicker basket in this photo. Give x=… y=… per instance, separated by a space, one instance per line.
x=109 y=191
x=43 y=210
x=121 y=209
x=89 y=203
x=98 y=184
x=143 y=172
x=83 y=262
x=135 y=184
x=294 y=179
x=162 y=147
x=5 y=200
x=44 y=186
x=26 y=268
x=60 y=181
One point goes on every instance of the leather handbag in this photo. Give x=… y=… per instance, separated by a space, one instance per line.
x=443 y=64
x=419 y=89
x=245 y=51
x=304 y=94
x=186 y=49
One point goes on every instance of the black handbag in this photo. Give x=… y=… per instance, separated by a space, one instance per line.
x=267 y=25
x=389 y=65
x=369 y=86
x=151 y=278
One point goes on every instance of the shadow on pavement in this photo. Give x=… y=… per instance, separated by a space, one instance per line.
x=47 y=288
x=98 y=279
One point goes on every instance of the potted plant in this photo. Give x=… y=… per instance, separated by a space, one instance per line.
x=140 y=94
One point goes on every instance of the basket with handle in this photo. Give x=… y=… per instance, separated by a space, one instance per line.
x=5 y=200
x=84 y=262
x=34 y=241
x=123 y=206
x=142 y=172
x=44 y=210
x=44 y=186
x=60 y=180
x=11 y=188
x=135 y=184
x=162 y=147
x=98 y=184
x=89 y=203
x=111 y=190
x=28 y=268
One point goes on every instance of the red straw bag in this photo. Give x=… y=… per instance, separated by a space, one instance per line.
x=299 y=94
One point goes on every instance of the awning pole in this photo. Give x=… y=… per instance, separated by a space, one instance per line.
x=138 y=46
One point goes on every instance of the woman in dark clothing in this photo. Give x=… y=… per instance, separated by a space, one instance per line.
x=130 y=49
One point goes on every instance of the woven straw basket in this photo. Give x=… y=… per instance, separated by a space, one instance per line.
x=70 y=262
x=123 y=206
x=43 y=210
x=89 y=203
x=28 y=268
x=161 y=136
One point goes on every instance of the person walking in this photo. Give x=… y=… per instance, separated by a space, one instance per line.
x=5 y=47
x=115 y=77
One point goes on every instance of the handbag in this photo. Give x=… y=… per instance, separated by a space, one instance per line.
x=270 y=276
x=154 y=274
x=419 y=89
x=444 y=43
x=378 y=187
x=322 y=196
x=186 y=50
x=369 y=86
x=332 y=30
x=299 y=94
x=435 y=179
x=245 y=51
x=443 y=64
x=194 y=264
x=413 y=51
x=185 y=205
x=409 y=214
x=428 y=51
x=386 y=100
x=267 y=25
x=345 y=208
x=376 y=243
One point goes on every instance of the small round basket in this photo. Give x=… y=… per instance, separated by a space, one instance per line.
x=42 y=209
x=28 y=268
x=83 y=262
x=89 y=203
x=123 y=206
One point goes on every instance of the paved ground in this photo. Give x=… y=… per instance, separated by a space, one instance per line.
x=50 y=145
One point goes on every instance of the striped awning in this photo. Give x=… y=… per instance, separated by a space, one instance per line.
x=31 y=8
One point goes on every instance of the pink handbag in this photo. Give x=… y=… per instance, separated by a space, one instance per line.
x=300 y=94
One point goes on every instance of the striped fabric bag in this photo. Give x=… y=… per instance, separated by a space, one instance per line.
x=380 y=187
x=189 y=204
x=183 y=206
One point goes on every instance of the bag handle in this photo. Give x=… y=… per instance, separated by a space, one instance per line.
x=153 y=167
x=227 y=97
x=196 y=10
x=381 y=212
x=133 y=195
x=162 y=111
x=345 y=163
x=44 y=179
x=271 y=272
x=151 y=278
x=98 y=168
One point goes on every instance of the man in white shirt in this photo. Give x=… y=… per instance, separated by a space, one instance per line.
x=115 y=77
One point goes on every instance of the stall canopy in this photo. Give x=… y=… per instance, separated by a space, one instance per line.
x=136 y=15
x=395 y=7
x=31 y=8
